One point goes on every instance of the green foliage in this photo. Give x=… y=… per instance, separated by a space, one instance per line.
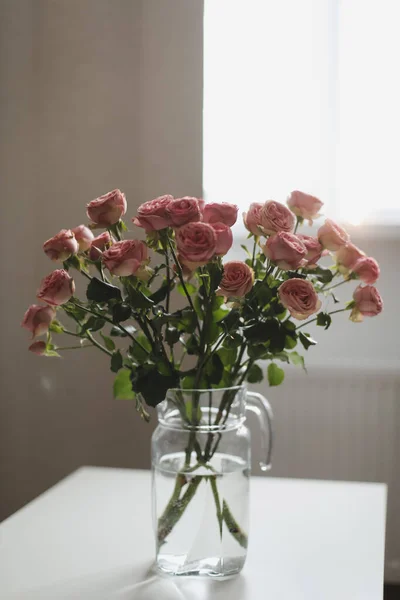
x=108 y=342
x=100 y=291
x=324 y=320
x=323 y=275
x=56 y=327
x=93 y=323
x=190 y=288
x=122 y=387
x=306 y=340
x=255 y=374
x=121 y=312
x=116 y=361
x=275 y=374
x=172 y=335
x=297 y=359
x=141 y=348
x=153 y=385
x=118 y=332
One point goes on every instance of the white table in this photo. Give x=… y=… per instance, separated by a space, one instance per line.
x=90 y=537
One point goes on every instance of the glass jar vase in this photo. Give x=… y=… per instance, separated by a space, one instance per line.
x=201 y=468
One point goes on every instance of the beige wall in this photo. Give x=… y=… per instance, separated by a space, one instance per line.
x=95 y=94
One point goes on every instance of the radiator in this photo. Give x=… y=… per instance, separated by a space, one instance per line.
x=341 y=424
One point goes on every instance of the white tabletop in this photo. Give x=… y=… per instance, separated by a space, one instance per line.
x=90 y=537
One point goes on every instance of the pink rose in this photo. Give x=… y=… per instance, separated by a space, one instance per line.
x=304 y=205
x=108 y=209
x=183 y=210
x=276 y=217
x=299 y=297
x=83 y=236
x=196 y=244
x=57 y=288
x=152 y=215
x=368 y=303
x=348 y=255
x=331 y=236
x=220 y=212
x=366 y=269
x=38 y=348
x=61 y=246
x=237 y=280
x=286 y=250
x=125 y=258
x=252 y=219
x=99 y=244
x=37 y=319
x=314 y=250
x=224 y=238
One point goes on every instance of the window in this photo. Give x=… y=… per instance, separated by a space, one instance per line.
x=304 y=95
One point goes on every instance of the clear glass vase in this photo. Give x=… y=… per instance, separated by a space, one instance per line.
x=201 y=469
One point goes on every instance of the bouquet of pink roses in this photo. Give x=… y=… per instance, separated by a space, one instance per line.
x=235 y=314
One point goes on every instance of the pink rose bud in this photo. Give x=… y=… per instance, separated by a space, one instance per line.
x=304 y=205
x=61 y=246
x=224 y=238
x=237 y=280
x=108 y=209
x=37 y=319
x=276 y=217
x=99 y=244
x=57 y=288
x=286 y=250
x=152 y=215
x=183 y=210
x=252 y=219
x=220 y=212
x=83 y=236
x=299 y=297
x=368 y=303
x=347 y=256
x=331 y=236
x=366 y=269
x=196 y=244
x=125 y=258
x=38 y=348
x=314 y=250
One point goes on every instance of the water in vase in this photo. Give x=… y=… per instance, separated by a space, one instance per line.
x=202 y=516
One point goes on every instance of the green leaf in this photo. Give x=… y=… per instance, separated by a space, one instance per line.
x=108 y=342
x=212 y=333
x=246 y=250
x=255 y=374
x=56 y=327
x=324 y=320
x=297 y=359
x=221 y=313
x=138 y=299
x=214 y=369
x=290 y=342
x=267 y=331
x=123 y=386
x=116 y=361
x=234 y=340
x=191 y=289
x=153 y=385
x=323 y=275
x=275 y=374
x=258 y=351
x=121 y=312
x=192 y=345
x=172 y=335
x=227 y=355
x=100 y=291
x=141 y=354
x=306 y=340
x=93 y=324
x=74 y=310
x=161 y=293
x=117 y=331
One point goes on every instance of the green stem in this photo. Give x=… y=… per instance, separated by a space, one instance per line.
x=89 y=336
x=312 y=320
x=256 y=238
x=73 y=347
x=181 y=279
x=213 y=483
x=168 y=521
x=334 y=286
x=233 y=526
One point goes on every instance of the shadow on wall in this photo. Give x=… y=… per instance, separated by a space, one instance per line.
x=81 y=115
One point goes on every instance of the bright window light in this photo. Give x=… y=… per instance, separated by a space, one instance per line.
x=303 y=95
